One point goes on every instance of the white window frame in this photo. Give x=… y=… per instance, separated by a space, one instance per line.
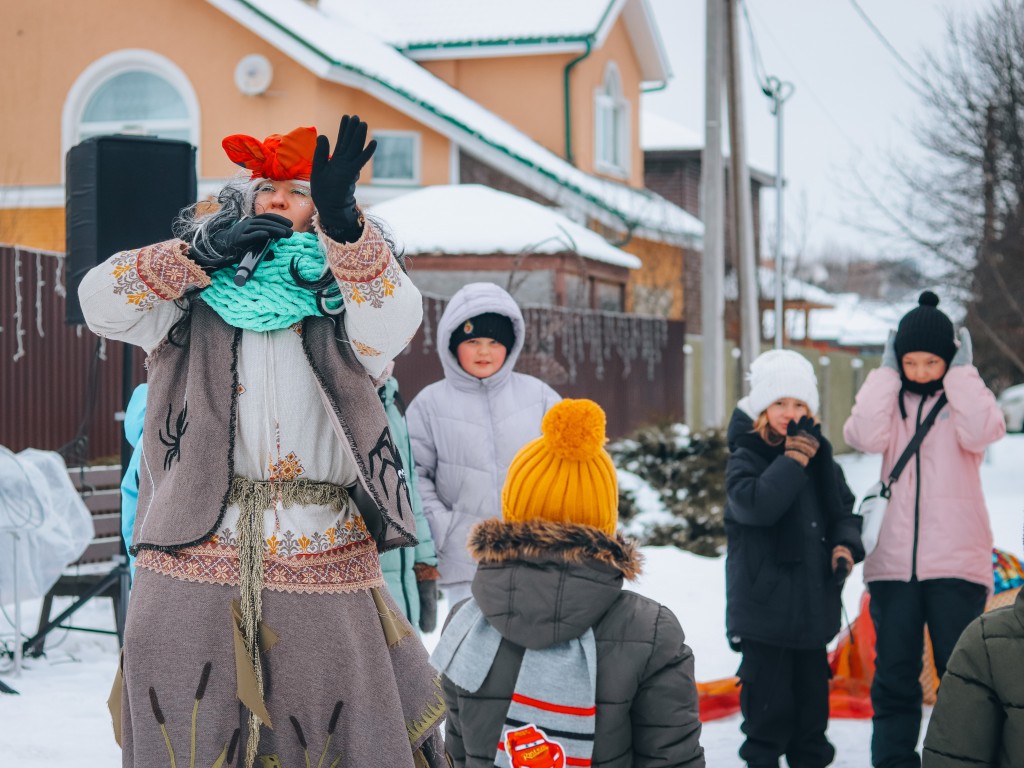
x=417 y=155
x=612 y=158
x=117 y=63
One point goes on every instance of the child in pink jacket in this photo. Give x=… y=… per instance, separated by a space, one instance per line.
x=933 y=562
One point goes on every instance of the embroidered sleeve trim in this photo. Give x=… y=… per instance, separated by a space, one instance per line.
x=365 y=349
x=167 y=271
x=360 y=262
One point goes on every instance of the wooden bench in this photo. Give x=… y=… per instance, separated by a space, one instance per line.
x=101 y=571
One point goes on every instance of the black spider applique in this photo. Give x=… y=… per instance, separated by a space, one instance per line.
x=386 y=452
x=174 y=435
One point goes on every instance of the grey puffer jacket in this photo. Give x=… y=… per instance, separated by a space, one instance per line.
x=541 y=583
x=465 y=431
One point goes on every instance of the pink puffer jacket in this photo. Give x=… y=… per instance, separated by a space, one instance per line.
x=944 y=515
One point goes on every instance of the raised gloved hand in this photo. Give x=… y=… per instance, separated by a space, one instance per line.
x=803 y=438
x=426 y=584
x=228 y=245
x=889 y=353
x=333 y=180
x=965 y=352
x=842 y=563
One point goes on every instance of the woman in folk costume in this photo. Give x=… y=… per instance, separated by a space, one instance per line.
x=552 y=663
x=260 y=631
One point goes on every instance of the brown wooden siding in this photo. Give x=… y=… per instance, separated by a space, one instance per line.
x=49 y=395
x=58 y=388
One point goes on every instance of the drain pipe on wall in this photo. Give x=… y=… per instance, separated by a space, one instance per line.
x=567 y=94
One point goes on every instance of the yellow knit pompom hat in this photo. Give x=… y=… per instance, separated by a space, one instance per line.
x=565 y=475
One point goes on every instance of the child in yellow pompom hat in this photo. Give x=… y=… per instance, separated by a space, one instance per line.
x=544 y=660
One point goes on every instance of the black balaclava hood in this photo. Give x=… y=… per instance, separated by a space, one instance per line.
x=926 y=328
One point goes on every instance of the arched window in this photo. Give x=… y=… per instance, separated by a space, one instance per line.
x=611 y=125
x=131 y=91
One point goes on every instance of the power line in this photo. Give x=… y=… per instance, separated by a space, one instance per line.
x=891 y=48
x=805 y=86
x=759 y=69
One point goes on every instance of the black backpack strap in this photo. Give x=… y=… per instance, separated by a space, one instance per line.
x=915 y=442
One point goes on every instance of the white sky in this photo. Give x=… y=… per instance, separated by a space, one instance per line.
x=851 y=105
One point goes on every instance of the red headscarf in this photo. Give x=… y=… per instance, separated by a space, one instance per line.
x=276 y=157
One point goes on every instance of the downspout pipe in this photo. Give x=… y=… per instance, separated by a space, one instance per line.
x=567 y=96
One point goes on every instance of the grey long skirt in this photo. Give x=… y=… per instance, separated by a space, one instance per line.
x=340 y=690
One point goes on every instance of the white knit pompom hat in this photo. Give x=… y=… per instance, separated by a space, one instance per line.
x=781 y=373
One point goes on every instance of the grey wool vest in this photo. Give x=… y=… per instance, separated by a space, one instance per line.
x=189 y=434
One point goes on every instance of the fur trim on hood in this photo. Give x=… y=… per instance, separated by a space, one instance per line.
x=495 y=541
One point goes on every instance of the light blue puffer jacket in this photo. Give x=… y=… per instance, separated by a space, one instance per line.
x=465 y=431
x=397 y=564
x=134 y=417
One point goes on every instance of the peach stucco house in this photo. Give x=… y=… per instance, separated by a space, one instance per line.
x=536 y=98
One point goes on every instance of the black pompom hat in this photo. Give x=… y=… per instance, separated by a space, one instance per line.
x=926 y=329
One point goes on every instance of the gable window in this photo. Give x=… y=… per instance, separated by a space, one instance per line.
x=131 y=91
x=611 y=125
x=397 y=159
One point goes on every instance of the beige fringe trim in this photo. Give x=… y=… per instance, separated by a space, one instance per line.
x=261 y=495
x=254 y=497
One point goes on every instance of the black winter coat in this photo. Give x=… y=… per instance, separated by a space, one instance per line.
x=782 y=522
x=541 y=583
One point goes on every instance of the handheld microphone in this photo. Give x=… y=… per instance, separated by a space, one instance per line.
x=248 y=265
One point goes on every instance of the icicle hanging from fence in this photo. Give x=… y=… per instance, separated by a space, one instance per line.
x=40 y=284
x=19 y=331
x=573 y=336
x=58 y=278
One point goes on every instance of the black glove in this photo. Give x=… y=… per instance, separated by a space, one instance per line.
x=803 y=438
x=804 y=424
x=428 y=604
x=332 y=181
x=227 y=246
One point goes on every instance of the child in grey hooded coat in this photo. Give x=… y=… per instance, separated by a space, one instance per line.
x=466 y=428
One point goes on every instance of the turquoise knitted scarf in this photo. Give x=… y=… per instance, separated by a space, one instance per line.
x=271 y=299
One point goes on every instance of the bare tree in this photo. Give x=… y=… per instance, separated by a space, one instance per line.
x=964 y=205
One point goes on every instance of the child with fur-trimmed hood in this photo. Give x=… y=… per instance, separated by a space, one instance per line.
x=792 y=536
x=551 y=663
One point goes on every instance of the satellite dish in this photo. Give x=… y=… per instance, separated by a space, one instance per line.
x=253 y=74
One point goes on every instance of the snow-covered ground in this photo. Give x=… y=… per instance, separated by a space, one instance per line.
x=61 y=717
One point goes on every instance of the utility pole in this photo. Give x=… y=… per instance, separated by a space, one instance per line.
x=743 y=216
x=712 y=192
x=778 y=91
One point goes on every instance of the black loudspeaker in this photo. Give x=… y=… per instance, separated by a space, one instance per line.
x=122 y=192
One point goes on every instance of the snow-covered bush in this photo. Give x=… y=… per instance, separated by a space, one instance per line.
x=672 y=487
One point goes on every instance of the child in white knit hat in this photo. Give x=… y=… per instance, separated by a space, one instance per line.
x=792 y=538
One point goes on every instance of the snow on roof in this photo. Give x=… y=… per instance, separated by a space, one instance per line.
x=405 y=23
x=474 y=219
x=459 y=28
x=792 y=289
x=337 y=49
x=660 y=133
x=852 y=321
